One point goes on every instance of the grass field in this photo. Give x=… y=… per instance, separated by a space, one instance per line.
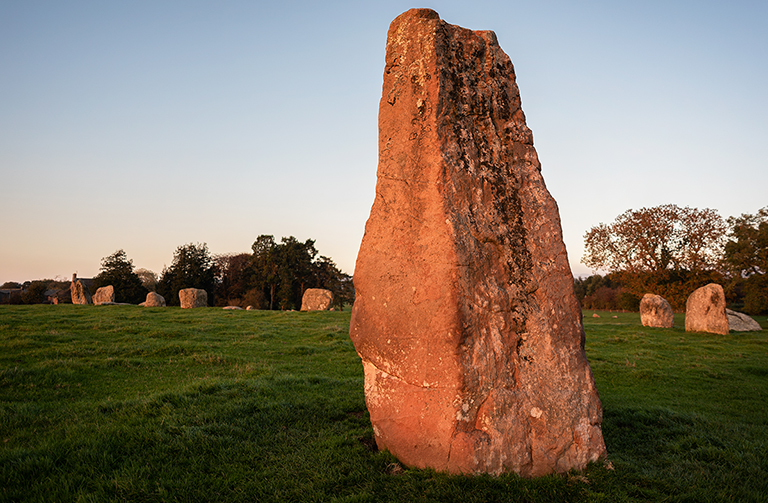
x=120 y=403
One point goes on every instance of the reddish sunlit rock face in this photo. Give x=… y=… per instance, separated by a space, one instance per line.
x=465 y=317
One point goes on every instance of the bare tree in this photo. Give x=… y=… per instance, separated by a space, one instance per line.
x=148 y=279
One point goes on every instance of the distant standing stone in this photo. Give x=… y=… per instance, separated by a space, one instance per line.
x=104 y=295
x=656 y=312
x=740 y=322
x=316 y=299
x=193 y=297
x=80 y=293
x=154 y=300
x=705 y=310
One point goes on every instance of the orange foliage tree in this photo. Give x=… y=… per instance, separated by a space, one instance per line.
x=666 y=250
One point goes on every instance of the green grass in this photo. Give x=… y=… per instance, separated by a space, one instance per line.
x=117 y=403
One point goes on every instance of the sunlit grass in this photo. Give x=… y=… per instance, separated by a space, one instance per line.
x=123 y=403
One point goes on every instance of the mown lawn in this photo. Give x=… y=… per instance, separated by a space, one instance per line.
x=116 y=403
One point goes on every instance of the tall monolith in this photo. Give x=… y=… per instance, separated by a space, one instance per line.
x=465 y=316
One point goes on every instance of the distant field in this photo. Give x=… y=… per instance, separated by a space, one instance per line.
x=121 y=403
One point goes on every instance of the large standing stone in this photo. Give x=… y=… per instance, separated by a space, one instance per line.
x=705 y=310
x=656 y=312
x=193 y=297
x=154 y=300
x=316 y=299
x=104 y=295
x=465 y=316
x=79 y=292
x=740 y=322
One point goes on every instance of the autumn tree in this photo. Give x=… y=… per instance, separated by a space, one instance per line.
x=746 y=258
x=117 y=270
x=192 y=267
x=604 y=293
x=665 y=249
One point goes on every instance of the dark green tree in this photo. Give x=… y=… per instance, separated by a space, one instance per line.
x=117 y=270
x=746 y=259
x=264 y=267
x=34 y=292
x=328 y=276
x=295 y=267
x=746 y=252
x=233 y=273
x=282 y=272
x=192 y=267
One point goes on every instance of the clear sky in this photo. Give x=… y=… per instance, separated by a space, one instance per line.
x=146 y=125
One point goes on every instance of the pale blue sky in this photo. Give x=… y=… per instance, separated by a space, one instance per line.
x=145 y=125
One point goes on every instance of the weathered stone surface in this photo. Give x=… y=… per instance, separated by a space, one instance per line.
x=316 y=299
x=154 y=300
x=104 y=295
x=250 y=308
x=233 y=308
x=79 y=292
x=193 y=297
x=740 y=322
x=465 y=316
x=705 y=310
x=656 y=312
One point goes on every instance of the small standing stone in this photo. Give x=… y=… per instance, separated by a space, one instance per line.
x=154 y=300
x=316 y=299
x=193 y=297
x=656 y=312
x=79 y=292
x=705 y=310
x=104 y=295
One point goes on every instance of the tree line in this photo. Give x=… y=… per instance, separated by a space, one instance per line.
x=274 y=276
x=672 y=251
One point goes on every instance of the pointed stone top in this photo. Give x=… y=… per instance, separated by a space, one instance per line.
x=422 y=13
